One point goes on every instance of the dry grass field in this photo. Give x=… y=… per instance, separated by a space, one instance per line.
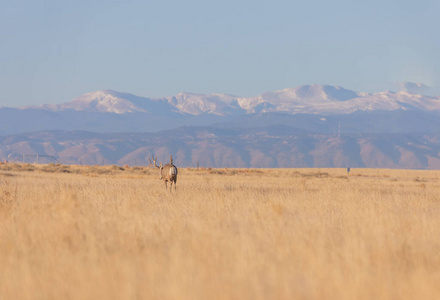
x=72 y=232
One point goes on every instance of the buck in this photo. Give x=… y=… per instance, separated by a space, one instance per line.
x=167 y=172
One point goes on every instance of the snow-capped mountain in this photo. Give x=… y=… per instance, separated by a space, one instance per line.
x=197 y=104
x=320 y=108
x=109 y=101
x=328 y=100
x=307 y=126
x=308 y=99
x=103 y=101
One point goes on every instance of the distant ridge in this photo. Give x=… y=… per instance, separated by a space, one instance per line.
x=306 y=126
x=311 y=99
x=320 y=108
x=264 y=147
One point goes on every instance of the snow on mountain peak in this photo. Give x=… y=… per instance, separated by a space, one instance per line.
x=307 y=94
x=307 y=99
x=103 y=101
x=196 y=104
x=414 y=88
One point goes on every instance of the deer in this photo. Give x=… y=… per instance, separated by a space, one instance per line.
x=166 y=173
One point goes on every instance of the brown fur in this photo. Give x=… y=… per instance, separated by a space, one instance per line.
x=167 y=172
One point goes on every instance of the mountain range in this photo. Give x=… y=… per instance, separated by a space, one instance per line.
x=309 y=99
x=306 y=126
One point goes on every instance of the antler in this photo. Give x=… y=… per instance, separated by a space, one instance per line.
x=171 y=159
x=154 y=161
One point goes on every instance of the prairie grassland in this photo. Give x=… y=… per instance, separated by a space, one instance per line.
x=71 y=232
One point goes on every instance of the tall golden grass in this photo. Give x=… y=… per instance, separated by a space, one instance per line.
x=71 y=232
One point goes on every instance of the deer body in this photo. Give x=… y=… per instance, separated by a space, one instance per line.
x=167 y=172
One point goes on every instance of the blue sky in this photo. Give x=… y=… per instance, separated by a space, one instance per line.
x=54 y=51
